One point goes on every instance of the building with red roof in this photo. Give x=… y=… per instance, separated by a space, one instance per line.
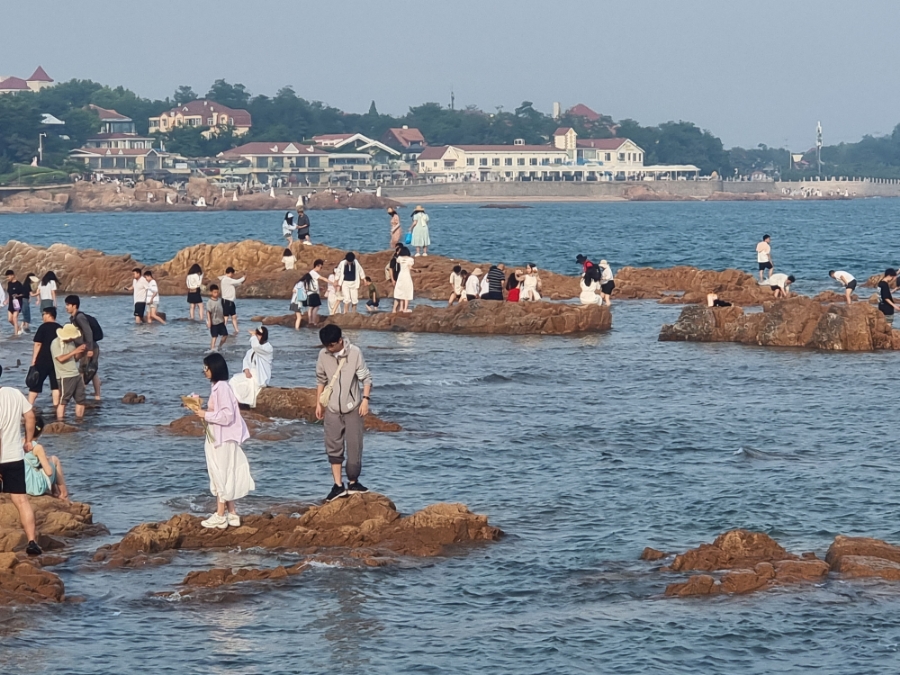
x=581 y=110
x=13 y=85
x=408 y=142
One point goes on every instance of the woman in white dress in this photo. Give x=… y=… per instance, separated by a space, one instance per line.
x=590 y=287
x=195 y=299
x=531 y=285
x=403 y=288
x=456 y=283
x=421 y=238
x=257 y=368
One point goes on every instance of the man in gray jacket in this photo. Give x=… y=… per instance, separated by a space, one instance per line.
x=347 y=406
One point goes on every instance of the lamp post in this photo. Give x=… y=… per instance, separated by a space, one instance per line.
x=41 y=137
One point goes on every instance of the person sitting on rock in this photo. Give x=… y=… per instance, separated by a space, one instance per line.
x=43 y=474
x=531 y=284
x=847 y=281
x=257 y=368
x=512 y=286
x=712 y=300
x=779 y=283
x=590 y=286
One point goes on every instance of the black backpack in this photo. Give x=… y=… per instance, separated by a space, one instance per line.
x=350 y=271
x=95 y=326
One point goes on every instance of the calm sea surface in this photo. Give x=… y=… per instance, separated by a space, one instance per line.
x=583 y=449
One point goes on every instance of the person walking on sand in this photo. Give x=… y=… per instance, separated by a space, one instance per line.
x=42 y=359
x=257 y=368
x=194 y=297
x=607 y=283
x=66 y=353
x=779 y=283
x=403 y=288
x=47 y=290
x=288 y=228
x=349 y=274
x=340 y=373
x=215 y=318
x=153 y=299
x=14 y=409
x=764 y=256
x=229 y=284
x=138 y=288
x=421 y=237
x=303 y=227
x=846 y=280
x=226 y=463
x=396 y=230
x=886 y=305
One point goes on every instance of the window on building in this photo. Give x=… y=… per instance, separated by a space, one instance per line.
x=507 y=161
x=621 y=156
x=557 y=160
x=262 y=162
x=495 y=161
x=470 y=161
x=640 y=156
x=278 y=162
x=482 y=161
x=313 y=162
x=299 y=162
x=520 y=161
x=533 y=161
x=608 y=157
x=545 y=161
x=210 y=121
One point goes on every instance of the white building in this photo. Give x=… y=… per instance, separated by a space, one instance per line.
x=490 y=162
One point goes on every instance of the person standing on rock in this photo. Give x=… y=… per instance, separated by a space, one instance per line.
x=139 y=291
x=288 y=228
x=14 y=408
x=396 y=230
x=17 y=295
x=340 y=373
x=226 y=463
x=194 y=283
x=607 y=283
x=404 y=291
x=764 y=257
x=313 y=299
x=303 y=227
x=42 y=359
x=152 y=299
x=229 y=285
x=257 y=368
x=349 y=275
x=421 y=237
x=846 y=280
x=887 y=306
x=779 y=283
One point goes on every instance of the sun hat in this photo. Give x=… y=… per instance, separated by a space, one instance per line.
x=603 y=263
x=477 y=271
x=68 y=332
x=418 y=208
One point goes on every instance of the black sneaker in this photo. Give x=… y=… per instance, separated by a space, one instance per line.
x=33 y=548
x=336 y=492
x=356 y=487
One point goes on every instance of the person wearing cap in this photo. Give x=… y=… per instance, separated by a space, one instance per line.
x=65 y=362
x=886 y=305
x=473 y=285
x=14 y=409
x=846 y=280
x=779 y=283
x=607 y=283
x=421 y=238
x=257 y=368
x=303 y=227
x=584 y=262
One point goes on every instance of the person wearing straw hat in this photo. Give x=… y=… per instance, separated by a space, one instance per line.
x=420 y=235
x=65 y=362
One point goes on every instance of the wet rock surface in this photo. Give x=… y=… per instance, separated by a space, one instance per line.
x=54 y=518
x=24 y=583
x=367 y=523
x=684 y=284
x=792 y=322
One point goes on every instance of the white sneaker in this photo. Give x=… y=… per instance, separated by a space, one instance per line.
x=215 y=521
x=425 y=255
x=234 y=520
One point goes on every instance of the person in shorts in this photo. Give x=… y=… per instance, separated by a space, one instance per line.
x=229 y=284
x=14 y=409
x=764 y=256
x=372 y=292
x=215 y=318
x=846 y=280
x=65 y=361
x=42 y=359
x=138 y=288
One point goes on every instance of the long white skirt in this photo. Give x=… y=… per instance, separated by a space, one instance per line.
x=229 y=471
x=245 y=389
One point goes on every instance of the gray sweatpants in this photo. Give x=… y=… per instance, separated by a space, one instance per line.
x=344 y=429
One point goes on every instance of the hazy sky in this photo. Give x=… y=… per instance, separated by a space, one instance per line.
x=759 y=71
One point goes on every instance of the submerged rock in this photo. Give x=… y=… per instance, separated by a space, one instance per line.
x=792 y=322
x=730 y=550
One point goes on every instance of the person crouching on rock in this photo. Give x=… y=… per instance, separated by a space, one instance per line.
x=340 y=369
x=257 y=368
x=229 y=471
x=712 y=300
x=779 y=283
x=43 y=473
x=847 y=281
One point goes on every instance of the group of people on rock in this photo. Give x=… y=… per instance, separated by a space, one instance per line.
x=418 y=236
x=301 y=228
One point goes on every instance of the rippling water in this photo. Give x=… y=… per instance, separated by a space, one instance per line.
x=584 y=450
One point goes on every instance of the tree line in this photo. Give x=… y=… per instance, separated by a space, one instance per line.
x=289 y=117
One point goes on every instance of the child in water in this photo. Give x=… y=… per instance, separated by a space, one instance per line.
x=372 y=302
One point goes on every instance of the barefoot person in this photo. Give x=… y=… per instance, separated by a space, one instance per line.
x=886 y=305
x=138 y=288
x=90 y=362
x=229 y=284
x=341 y=371
x=396 y=230
x=215 y=319
x=288 y=228
x=607 y=282
x=780 y=283
x=257 y=368
x=14 y=408
x=313 y=299
x=846 y=280
x=456 y=283
x=404 y=291
x=16 y=295
x=764 y=256
x=152 y=299
x=194 y=282
x=226 y=463
x=42 y=359
x=421 y=237
x=43 y=473
x=66 y=354
x=303 y=227
x=349 y=274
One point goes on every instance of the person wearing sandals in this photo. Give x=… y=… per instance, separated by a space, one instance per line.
x=194 y=298
x=226 y=463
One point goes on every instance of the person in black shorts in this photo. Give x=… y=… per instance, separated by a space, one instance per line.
x=42 y=359
x=887 y=306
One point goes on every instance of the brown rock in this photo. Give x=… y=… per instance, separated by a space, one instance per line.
x=59 y=428
x=860 y=546
x=689 y=285
x=53 y=517
x=219 y=577
x=23 y=584
x=132 y=398
x=299 y=403
x=699 y=584
x=793 y=571
x=747 y=580
x=730 y=550
x=861 y=566
x=652 y=554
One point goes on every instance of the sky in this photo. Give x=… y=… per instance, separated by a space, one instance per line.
x=760 y=71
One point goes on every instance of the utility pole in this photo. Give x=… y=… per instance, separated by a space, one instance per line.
x=819 y=147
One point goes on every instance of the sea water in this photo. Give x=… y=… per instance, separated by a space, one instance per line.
x=582 y=449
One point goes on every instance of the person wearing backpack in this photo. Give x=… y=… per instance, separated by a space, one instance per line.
x=91 y=334
x=349 y=275
x=299 y=299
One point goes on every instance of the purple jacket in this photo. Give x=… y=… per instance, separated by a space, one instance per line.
x=224 y=417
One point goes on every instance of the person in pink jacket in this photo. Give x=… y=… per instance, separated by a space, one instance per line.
x=229 y=471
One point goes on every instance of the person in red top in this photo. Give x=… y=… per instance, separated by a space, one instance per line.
x=512 y=287
x=584 y=262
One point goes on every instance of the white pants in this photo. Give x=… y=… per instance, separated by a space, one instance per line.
x=351 y=294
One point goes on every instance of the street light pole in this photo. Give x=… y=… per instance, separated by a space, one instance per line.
x=41 y=138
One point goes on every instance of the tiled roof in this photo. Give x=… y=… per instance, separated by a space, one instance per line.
x=202 y=107
x=40 y=75
x=601 y=143
x=267 y=148
x=108 y=115
x=13 y=84
x=562 y=131
x=404 y=137
x=581 y=110
x=508 y=148
x=332 y=137
x=433 y=152
x=118 y=152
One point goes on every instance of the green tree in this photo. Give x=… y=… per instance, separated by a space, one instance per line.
x=231 y=95
x=184 y=94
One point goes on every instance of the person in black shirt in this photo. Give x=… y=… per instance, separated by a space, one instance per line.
x=42 y=359
x=303 y=227
x=887 y=304
x=18 y=296
x=496 y=278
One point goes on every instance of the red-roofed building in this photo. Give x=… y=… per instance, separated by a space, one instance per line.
x=265 y=162
x=126 y=161
x=203 y=113
x=379 y=152
x=13 y=85
x=581 y=110
x=39 y=79
x=409 y=142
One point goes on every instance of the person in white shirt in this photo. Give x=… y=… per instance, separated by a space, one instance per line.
x=14 y=408
x=152 y=299
x=228 y=284
x=847 y=280
x=349 y=274
x=138 y=288
x=456 y=283
x=257 y=368
x=194 y=283
x=313 y=298
x=764 y=256
x=473 y=285
x=779 y=284
x=288 y=228
x=47 y=290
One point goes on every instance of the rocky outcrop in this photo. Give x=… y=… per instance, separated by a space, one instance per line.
x=131 y=398
x=478 y=317
x=792 y=322
x=54 y=518
x=733 y=549
x=36 y=201
x=688 y=285
x=217 y=577
x=859 y=557
x=24 y=583
x=369 y=524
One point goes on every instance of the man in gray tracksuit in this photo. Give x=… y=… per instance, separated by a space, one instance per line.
x=347 y=407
